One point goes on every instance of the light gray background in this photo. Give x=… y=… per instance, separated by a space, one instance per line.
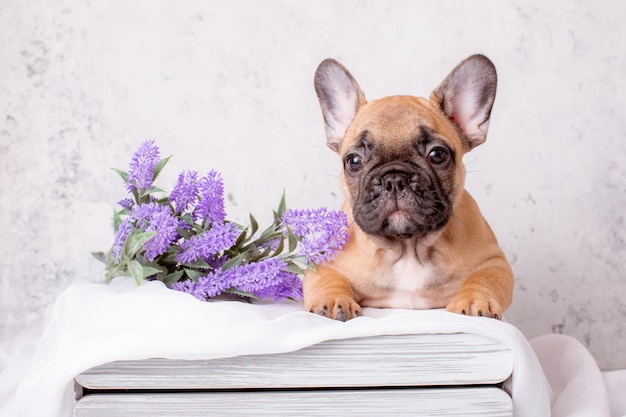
x=228 y=85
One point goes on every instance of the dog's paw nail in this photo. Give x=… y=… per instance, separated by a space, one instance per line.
x=480 y=313
x=464 y=312
x=341 y=315
x=322 y=310
x=496 y=316
x=358 y=313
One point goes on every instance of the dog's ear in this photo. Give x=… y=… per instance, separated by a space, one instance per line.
x=340 y=98
x=466 y=97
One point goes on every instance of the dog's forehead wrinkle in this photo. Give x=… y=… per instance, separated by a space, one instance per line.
x=423 y=139
x=364 y=143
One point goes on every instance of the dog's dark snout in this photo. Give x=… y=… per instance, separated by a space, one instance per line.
x=395 y=183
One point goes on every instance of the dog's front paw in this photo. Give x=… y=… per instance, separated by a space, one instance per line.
x=475 y=304
x=340 y=308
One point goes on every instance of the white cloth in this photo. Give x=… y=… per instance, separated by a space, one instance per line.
x=91 y=324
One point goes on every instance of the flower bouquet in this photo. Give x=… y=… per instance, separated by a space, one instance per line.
x=184 y=239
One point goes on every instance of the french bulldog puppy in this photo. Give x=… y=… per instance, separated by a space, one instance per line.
x=417 y=239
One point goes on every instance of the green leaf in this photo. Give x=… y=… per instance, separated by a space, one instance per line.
x=109 y=260
x=158 y=190
x=159 y=166
x=240 y=240
x=117 y=218
x=163 y=201
x=300 y=260
x=292 y=239
x=254 y=225
x=193 y=274
x=134 y=243
x=145 y=195
x=149 y=271
x=136 y=196
x=187 y=218
x=257 y=257
x=136 y=271
x=246 y=295
x=281 y=246
x=295 y=268
x=197 y=265
x=184 y=233
x=235 y=261
x=169 y=257
x=173 y=277
x=122 y=174
x=117 y=271
x=101 y=256
x=282 y=206
x=140 y=272
x=268 y=234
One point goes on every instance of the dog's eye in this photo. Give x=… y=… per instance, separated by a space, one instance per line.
x=438 y=155
x=354 y=162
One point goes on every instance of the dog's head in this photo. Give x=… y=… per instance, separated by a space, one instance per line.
x=402 y=155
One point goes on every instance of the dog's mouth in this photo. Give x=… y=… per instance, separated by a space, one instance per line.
x=399 y=224
x=402 y=204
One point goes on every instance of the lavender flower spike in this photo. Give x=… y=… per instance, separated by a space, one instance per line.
x=206 y=287
x=256 y=277
x=323 y=232
x=185 y=193
x=153 y=217
x=210 y=208
x=205 y=246
x=285 y=285
x=127 y=203
x=266 y=279
x=141 y=172
x=120 y=238
x=190 y=287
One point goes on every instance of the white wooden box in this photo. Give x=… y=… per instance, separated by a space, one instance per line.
x=406 y=375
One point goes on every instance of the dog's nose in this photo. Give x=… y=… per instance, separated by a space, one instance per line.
x=395 y=184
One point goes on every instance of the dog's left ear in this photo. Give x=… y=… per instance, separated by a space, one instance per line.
x=466 y=97
x=340 y=98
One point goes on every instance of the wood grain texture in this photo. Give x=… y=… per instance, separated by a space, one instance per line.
x=452 y=402
x=382 y=361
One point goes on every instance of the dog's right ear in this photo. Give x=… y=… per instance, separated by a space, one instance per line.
x=340 y=98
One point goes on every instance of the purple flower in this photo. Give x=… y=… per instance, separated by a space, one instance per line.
x=185 y=193
x=152 y=217
x=285 y=285
x=127 y=203
x=210 y=208
x=205 y=246
x=216 y=282
x=206 y=287
x=190 y=287
x=323 y=232
x=120 y=238
x=141 y=172
x=265 y=279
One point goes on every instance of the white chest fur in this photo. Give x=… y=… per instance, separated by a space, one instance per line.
x=403 y=285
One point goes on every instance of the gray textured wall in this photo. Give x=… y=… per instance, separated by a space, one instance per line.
x=228 y=85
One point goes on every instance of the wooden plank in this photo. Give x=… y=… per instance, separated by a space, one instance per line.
x=391 y=361
x=452 y=402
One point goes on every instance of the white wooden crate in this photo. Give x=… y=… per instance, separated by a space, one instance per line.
x=417 y=375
